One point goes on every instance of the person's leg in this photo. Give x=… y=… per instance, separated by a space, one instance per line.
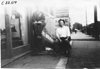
x=69 y=39
x=56 y=47
x=60 y=44
x=64 y=48
x=34 y=46
x=43 y=44
x=60 y=47
x=68 y=49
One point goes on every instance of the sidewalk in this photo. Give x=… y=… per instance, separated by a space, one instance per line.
x=84 y=54
x=80 y=35
x=39 y=62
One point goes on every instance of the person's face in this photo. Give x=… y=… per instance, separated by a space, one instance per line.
x=61 y=23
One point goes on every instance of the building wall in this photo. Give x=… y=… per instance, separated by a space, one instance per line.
x=2 y=28
x=24 y=29
x=50 y=25
x=2 y=18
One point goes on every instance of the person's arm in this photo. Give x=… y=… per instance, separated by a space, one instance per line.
x=68 y=33
x=57 y=35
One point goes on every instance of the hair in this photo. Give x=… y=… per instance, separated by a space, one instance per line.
x=61 y=20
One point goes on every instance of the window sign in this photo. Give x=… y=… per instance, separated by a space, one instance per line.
x=61 y=13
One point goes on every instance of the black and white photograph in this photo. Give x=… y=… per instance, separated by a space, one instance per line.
x=50 y=34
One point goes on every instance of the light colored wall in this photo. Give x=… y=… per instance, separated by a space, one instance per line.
x=24 y=27
x=50 y=25
x=2 y=22
x=2 y=18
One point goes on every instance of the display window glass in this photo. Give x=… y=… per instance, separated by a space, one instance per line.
x=19 y=30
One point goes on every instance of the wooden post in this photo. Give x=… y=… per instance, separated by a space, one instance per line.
x=8 y=33
x=96 y=23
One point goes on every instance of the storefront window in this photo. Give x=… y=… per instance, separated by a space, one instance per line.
x=3 y=39
x=15 y=26
x=19 y=28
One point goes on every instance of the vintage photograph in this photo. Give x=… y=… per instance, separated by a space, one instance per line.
x=50 y=34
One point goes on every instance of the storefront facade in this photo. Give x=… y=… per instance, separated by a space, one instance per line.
x=14 y=33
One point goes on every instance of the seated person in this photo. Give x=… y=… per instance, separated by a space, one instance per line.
x=63 y=35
